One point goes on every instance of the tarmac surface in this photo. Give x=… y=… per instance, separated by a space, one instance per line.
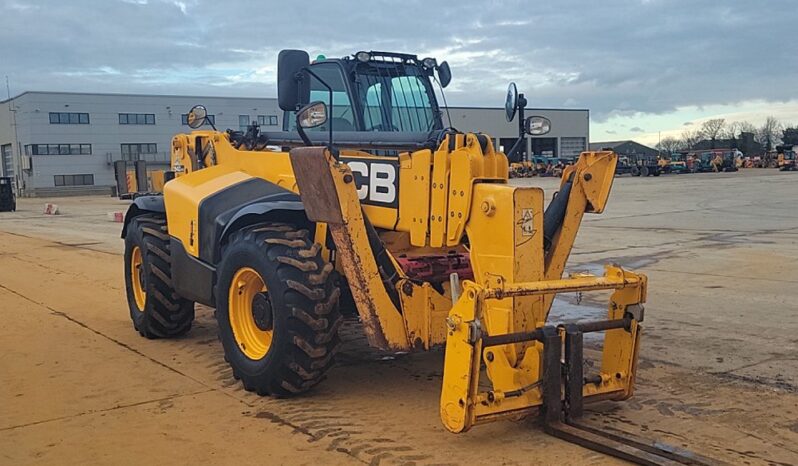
x=718 y=365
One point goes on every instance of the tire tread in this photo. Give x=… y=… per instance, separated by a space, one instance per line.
x=310 y=302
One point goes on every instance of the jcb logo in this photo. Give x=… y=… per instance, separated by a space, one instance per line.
x=377 y=181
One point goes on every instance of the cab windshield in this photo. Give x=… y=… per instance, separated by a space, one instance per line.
x=381 y=96
x=395 y=97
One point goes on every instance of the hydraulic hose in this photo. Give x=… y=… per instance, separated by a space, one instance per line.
x=554 y=216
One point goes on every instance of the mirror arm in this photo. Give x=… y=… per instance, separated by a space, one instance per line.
x=520 y=105
x=516 y=148
x=301 y=131
x=329 y=88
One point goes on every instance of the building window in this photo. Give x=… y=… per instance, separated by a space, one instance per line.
x=73 y=180
x=243 y=122
x=58 y=149
x=5 y=160
x=267 y=120
x=133 y=151
x=136 y=119
x=66 y=118
x=210 y=118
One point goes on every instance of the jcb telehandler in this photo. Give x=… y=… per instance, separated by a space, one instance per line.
x=368 y=193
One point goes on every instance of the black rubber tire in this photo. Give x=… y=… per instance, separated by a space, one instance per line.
x=645 y=171
x=635 y=171
x=165 y=313
x=656 y=172
x=303 y=293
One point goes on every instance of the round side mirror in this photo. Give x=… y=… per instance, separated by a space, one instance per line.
x=312 y=115
x=537 y=125
x=444 y=74
x=196 y=116
x=511 y=103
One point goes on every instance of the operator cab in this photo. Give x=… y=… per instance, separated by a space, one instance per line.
x=371 y=91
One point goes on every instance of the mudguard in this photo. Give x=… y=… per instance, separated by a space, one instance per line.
x=143 y=205
x=241 y=204
x=257 y=212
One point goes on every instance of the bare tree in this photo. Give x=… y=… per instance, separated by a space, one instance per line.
x=769 y=133
x=713 y=128
x=746 y=127
x=690 y=138
x=731 y=130
x=669 y=145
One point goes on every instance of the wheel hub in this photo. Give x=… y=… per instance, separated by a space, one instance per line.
x=262 y=311
x=137 y=275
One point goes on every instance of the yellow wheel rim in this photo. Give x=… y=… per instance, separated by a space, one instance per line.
x=253 y=341
x=136 y=273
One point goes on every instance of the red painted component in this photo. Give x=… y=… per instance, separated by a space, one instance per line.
x=437 y=268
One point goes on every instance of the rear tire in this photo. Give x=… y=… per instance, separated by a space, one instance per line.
x=635 y=171
x=645 y=171
x=156 y=310
x=286 y=349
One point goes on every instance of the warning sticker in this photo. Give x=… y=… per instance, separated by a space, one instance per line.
x=527 y=222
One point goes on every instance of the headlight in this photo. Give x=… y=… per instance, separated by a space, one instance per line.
x=363 y=56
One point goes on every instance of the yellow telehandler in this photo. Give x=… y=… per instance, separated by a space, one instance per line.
x=366 y=191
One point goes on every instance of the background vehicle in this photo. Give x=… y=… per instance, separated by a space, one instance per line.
x=786 y=157
x=637 y=165
x=643 y=165
x=729 y=161
x=624 y=166
x=714 y=160
x=769 y=159
x=673 y=163
x=421 y=228
x=8 y=200
x=678 y=163
x=702 y=161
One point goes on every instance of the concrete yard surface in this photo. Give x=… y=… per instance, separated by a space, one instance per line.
x=718 y=369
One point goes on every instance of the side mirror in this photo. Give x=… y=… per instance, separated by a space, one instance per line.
x=537 y=125
x=312 y=115
x=289 y=64
x=444 y=74
x=511 y=103
x=197 y=116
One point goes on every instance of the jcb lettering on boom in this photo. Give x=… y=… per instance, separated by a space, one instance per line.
x=377 y=181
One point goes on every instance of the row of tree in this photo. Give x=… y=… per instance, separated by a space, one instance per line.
x=771 y=133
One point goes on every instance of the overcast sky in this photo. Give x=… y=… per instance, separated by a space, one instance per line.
x=642 y=67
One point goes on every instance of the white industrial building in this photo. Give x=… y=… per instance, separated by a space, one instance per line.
x=60 y=143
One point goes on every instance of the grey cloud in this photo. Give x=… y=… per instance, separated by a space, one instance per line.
x=637 y=129
x=613 y=57
x=687 y=123
x=609 y=131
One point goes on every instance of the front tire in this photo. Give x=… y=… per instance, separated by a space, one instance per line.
x=157 y=311
x=277 y=309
